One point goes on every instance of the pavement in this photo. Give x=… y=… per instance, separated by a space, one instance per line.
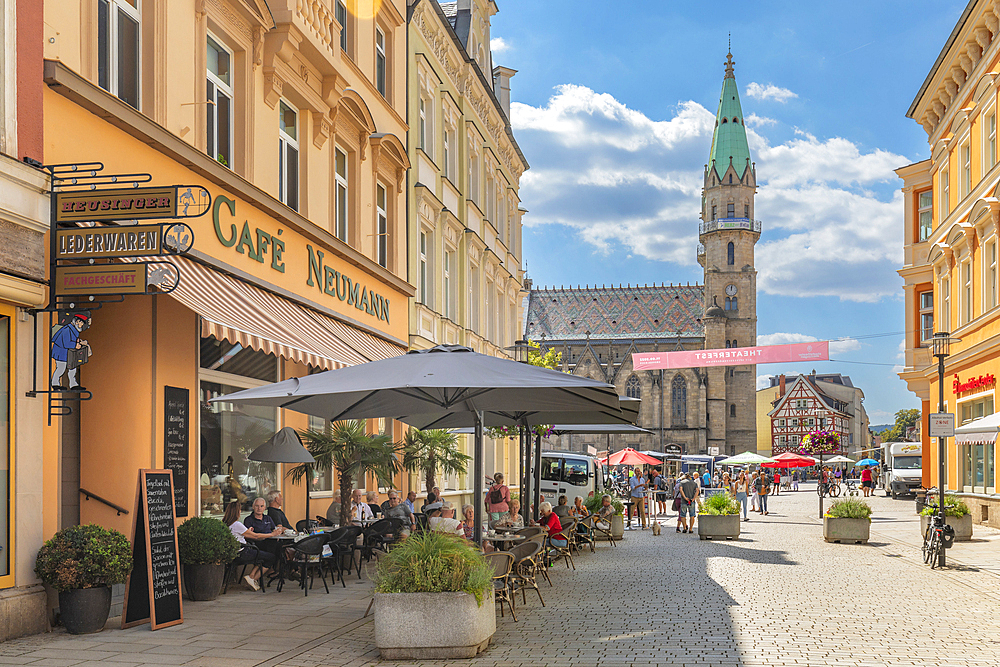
x=779 y=595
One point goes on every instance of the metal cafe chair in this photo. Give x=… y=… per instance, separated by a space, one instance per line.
x=585 y=532
x=597 y=530
x=502 y=562
x=530 y=531
x=309 y=558
x=565 y=552
x=526 y=569
x=306 y=525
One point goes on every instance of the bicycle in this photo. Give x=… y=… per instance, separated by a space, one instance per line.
x=937 y=537
x=828 y=489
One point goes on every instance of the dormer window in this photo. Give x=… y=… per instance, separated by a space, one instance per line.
x=736 y=120
x=724 y=121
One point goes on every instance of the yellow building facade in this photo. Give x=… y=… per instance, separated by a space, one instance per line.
x=464 y=208
x=291 y=115
x=951 y=219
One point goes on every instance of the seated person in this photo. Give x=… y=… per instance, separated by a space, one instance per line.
x=511 y=519
x=431 y=499
x=259 y=521
x=359 y=509
x=333 y=513
x=562 y=509
x=274 y=501
x=248 y=553
x=469 y=521
x=605 y=513
x=400 y=510
x=578 y=509
x=442 y=519
x=550 y=520
x=371 y=497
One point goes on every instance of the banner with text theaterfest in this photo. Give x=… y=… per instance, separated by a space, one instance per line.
x=732 y=356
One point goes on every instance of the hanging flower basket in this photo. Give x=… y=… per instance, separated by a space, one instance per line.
x=820 y=443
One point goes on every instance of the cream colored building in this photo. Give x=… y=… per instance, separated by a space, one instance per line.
x=465 y=214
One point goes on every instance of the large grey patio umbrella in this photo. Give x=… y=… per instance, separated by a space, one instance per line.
x=444 y=380
x=284 y=447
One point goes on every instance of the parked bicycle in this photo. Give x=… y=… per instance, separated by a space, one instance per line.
x=828 y=489
x=937 y=537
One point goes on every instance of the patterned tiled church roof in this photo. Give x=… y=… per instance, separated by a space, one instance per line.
x=616 y=312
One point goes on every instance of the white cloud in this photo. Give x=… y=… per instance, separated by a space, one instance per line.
x=769 y=92
x=753 y=120
x=830 y=211
x=836 y=346
x=498 y=45
x=763 y=381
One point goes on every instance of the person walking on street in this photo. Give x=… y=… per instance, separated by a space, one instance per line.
x=763 y=489
x=742 y=488
x=752 y=486
x=706 y=480
x=637 y=486
x=689 y=504
x=795 y=480
x=866 y=481
x=677 y=498
x=777 y=481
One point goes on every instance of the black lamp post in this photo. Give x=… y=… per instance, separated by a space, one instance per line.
x=941 y=348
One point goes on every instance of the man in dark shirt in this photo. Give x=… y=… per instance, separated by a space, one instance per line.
x=689 y=503
x=259 y=521
x=274 y=501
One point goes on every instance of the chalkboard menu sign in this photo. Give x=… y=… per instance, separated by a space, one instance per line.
x=153 y=591
x=176 y=451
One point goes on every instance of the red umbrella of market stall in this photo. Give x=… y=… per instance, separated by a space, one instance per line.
x=629 y=457
x=789 y=460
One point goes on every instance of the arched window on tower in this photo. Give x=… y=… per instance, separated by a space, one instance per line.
x=735 y=344
x=678 y=401
x=732 y=409
x=731 y=254
x=632 y=388
x=734 y=306
x=727 y=306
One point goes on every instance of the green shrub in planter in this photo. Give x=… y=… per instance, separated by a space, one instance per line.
x=203 y=540
x=959 y=509
x=593 y=503
x=84 y=557
x=720 y=504
x=849 y=508
x=433 y=562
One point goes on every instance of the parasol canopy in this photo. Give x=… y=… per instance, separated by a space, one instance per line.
x=629 y=457
x=790 y=460
x=283 y=447
x=839 y=459
x=746 y=458
x=867 y=462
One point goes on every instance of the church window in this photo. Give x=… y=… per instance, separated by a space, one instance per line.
x=734 y=307
x=730 y=254
x=726 y=307
x=730 y=207
x=727 y=344
x=713 y=212
x=746 y=210
x=735 y=344
x=732 y=371
x=632 y=388
x=724 y=121
x=732 y=409
x=730 y=179
x=678 y=401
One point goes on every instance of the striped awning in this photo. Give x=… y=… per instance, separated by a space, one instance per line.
x=238 y=312
x=982 y=431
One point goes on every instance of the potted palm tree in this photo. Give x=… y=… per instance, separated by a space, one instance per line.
x=205 y=546
x=433 y=599
x=82 y=563
x=431 y=452
x=719 y=517
x=847 y=520
x=348 y=449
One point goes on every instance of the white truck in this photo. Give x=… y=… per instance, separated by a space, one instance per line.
x=902 y=468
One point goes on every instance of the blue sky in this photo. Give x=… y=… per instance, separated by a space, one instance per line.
x=613 y=106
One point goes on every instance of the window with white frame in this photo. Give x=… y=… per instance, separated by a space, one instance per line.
x=925 y=208
x=474 y=298
x=945 y=194
x=422 y=125
x=488 y=310
x=474 y=168
x=501 y=319
x=382 y=226
x=990 y=275
x=991 y=139
x=288 y=155
x=966 y=155
x=490 y=193
x=342 y=20
x=945 y=303
x=118 y=49
x=448 y=140
x=449 y=263
x=380 y=61
x=423 y=268
x=926 y=303
x=342 y=187
x=967 y=313
x=220 y=103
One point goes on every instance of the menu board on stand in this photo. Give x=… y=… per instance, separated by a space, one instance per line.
x=153 y=592
x=176 y=450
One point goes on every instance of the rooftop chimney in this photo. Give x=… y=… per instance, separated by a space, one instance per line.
x=781 y=385
x=501 y=86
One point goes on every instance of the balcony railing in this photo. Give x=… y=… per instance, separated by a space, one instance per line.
x=729 y=223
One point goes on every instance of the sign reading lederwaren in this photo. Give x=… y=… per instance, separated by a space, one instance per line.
x=100 y=279
x=87 y=242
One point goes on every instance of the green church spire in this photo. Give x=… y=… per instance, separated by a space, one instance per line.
x=729 y=141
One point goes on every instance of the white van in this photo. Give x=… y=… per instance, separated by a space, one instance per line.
x=569 y=474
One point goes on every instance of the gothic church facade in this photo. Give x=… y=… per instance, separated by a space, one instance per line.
x=597 y=329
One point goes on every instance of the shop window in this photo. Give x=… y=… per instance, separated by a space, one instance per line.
x=220 y=103
x=118 y=49
x=382 y=223
x=925 y=208
x=678 y=401
x=288 y=156
x=5 y=440
x=230 y=433
x=977 y=465
x=322 y=482
x=343 y=195
x=380 y=60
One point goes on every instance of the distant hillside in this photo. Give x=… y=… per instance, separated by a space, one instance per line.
x=878 y=429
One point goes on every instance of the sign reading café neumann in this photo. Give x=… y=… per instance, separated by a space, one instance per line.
x=267 y=248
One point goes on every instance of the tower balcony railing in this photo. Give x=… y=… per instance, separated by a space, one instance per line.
x=729 y=223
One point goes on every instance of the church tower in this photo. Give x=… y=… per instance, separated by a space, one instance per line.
x=728 y=232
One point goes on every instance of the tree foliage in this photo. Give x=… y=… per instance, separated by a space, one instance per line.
x=431 y=452
x=905 y=419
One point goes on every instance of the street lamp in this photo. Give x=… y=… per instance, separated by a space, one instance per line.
x=941 y=347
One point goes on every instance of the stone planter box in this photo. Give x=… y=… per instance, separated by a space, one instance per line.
x=961 y=524
x=433 y=626
x=846 y=530
x=718 y=526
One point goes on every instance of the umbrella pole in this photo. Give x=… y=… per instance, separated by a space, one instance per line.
x=525 y=451
x=308 y=477
x=479 y=471
x=536 y=488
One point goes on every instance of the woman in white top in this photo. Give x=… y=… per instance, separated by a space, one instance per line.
x=248 y=553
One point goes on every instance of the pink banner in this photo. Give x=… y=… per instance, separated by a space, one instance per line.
x=733 y=356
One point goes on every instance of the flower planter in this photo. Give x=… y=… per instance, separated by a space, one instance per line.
x=203 y=582
x=433 y=626
x=83 y=611
x=718 y=526
x=846 y=530
x=617 y=529
x=961 y=524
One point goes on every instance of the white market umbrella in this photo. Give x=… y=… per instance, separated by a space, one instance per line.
x=746 y=458
x=840 y=459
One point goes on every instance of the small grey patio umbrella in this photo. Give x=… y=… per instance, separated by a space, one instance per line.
x=284 y=447
x=444 y=380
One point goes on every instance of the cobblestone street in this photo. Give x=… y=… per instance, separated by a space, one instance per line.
x=778 y=596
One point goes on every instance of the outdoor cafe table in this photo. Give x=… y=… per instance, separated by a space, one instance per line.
x=500 y=541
